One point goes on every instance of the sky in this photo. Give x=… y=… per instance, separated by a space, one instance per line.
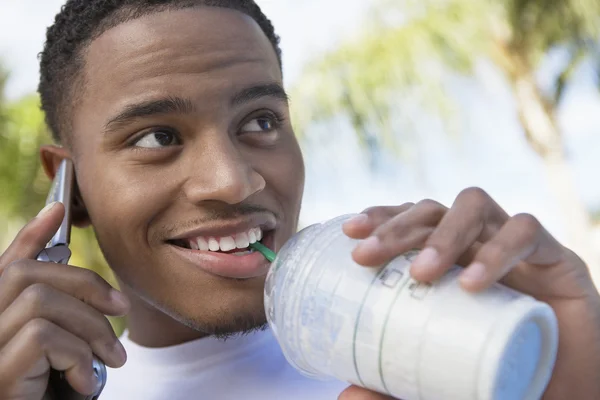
x=305 y=27
x=490 y=152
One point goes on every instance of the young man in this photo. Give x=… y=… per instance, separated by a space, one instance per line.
x=174 y=115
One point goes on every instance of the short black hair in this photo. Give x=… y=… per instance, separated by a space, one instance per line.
x=81 y=21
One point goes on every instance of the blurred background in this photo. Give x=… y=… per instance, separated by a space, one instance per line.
x=393 y=101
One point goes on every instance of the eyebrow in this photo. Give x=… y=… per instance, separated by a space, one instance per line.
x=180 y=105
x=149 y=108
x=274 y=90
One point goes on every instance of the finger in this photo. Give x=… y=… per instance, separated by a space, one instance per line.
x=34 y=236
x=376 y=251
x=358 y=393
x=45 y=302
x=522 y=238
x=367 y=221
x=80 y=283
x=41 y=344
x=404 y=232
x=473 y=217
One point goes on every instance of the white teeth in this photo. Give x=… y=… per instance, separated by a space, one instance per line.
x=202 y=244
x=213 y=245
x=227 y=243
x=241 y=240
x=252 y=236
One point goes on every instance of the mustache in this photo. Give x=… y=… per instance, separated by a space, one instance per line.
x=222 y=213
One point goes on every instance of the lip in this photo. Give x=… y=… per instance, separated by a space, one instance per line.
x=265 y=221
x=229 y=266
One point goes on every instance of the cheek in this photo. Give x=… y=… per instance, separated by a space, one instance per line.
x=285 y=174
x=121 y=203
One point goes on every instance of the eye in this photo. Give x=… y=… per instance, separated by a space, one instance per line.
x=157 y=139
x=265 y=123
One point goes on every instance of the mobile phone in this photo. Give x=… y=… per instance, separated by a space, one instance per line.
x=57 y=251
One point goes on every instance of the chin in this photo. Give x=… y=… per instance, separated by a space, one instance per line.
x=225 y=322
x=238 y=307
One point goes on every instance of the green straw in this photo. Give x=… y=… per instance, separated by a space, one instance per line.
x=264 y=250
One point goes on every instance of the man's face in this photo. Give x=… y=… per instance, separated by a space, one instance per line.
x=183 y=140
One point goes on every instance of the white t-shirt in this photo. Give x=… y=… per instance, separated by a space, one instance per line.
x=244 y=367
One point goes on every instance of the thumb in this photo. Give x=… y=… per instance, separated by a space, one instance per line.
x=35 y=235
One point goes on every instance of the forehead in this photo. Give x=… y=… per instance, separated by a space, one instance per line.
x=194 y=52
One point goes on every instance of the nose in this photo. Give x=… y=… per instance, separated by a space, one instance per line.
x=220 y=172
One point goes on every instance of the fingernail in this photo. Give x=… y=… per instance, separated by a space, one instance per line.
x=47 y=208
x=119 y=299
x=427 y=261
x=474 y=273
x=369 y=245
x=119 y=350
x=358 y=219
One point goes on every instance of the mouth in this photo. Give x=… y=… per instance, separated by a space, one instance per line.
x=227 y=254
x=237 y=244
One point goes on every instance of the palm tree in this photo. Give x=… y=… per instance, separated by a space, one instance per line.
x=410 y=47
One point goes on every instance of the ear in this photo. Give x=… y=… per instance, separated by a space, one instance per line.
x=51 y=157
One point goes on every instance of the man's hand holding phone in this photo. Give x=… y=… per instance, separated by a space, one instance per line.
x=52 y=316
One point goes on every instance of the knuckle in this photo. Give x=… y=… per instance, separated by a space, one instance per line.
x=16 y=272
x=475 y=195
x=432 y=209
x=493 y=253
x=36 y=295
x=528 y=225
x=39 y=331
x=429 y=204
x=407 y=206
